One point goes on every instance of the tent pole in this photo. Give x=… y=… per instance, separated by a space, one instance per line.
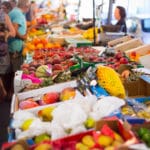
x=94 y=34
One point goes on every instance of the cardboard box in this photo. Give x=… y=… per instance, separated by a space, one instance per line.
x=136 y=127
x=133 y=43
x=123 y=128
x=144 y=60
x=38 y=92
x=119 y=40
x=139 y=88
x=105 y=37
x=142 y=50
x=69 y=142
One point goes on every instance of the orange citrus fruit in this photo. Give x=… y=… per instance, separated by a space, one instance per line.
x=44 y=41
x=49 y=45
x=36 y=41
x=33 y=22
x=40 y=46
x=25 y=50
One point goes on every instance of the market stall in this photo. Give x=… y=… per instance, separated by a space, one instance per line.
x=71 y=95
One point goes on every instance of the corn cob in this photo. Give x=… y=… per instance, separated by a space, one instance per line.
x=110 y=81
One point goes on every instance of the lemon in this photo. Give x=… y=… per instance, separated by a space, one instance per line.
x=104 y=140
x=88 y=140
x=26 y=124
x=81 y=146
x=89 y=123
x=46 y=113
x=41 y=138
x=44 y=147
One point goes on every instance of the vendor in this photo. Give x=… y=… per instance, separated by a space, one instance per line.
x=120 y=26
x=120 y=16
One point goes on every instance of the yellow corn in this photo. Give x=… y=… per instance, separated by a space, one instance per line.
x=110 y=81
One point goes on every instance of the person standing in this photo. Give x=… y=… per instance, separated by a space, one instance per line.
x=120 y=16
x=17 y=16
x=13 y=3
x=6 y=31
x=33 y=9
x=120 y=25
x=15 y=44
x=6 y=7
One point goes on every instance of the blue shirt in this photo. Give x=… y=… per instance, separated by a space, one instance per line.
x=18 y=17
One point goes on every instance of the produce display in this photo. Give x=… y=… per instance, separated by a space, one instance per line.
x=45 y=18
x=135 y=55
x=136 y=109
x=48 y=98
x=41 y=97
x=53 y=65
x=138 y=52
x=73 y=89
x=32 y=33
x=42 y=117
x=108 y=136
x=144 y=135
x=38 y=43
x=109 y=79
x=89 y=34
x=100 y=140
x=115 y=59
x=104 y=138
x=62 y=119
x=72 y=31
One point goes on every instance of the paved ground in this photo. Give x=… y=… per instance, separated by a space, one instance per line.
x=4 y=121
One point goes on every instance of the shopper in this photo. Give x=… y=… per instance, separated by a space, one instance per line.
x=13 y=3
x=15 y=44
x=33 y=9
x=6 y=6
x=6 y=31
x=62 y=12
x=120 y=16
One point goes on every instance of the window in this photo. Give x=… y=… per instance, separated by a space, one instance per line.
x=146 y=25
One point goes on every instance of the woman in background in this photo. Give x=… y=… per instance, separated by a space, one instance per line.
x=120 y=26
x=15 y=45
x=6 y=6
x=13 y=3
x=6 y=31
x=120 y=16
x=19 y=22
